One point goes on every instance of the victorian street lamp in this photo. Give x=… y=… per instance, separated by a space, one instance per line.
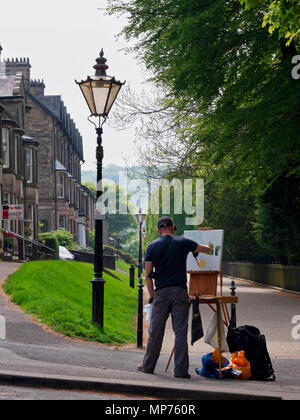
x=100 y=92
x=140 y=216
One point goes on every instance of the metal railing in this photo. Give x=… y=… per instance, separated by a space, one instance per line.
x=26 y=249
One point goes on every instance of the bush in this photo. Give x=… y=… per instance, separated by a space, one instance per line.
x=51 y=242
x=63 y=237
x=76 y=247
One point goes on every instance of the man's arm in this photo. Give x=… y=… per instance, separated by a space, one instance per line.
x=204 y=249
x=149 y=281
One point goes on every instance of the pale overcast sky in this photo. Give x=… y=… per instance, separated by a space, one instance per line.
x=62 y=38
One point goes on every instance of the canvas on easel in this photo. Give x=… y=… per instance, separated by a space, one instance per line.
x=204 y=269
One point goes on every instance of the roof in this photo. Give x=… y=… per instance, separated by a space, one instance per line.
x=54 y=105
x=59 y=166
x=30 y=140
x=5 y=116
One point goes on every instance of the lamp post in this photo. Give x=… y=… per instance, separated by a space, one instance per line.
x=100 y=92
x=140 y=218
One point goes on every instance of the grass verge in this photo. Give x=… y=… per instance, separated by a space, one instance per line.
x=59 y=294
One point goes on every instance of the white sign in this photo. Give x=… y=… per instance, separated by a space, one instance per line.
x=13 y=212
x=206 y=262
x=100 y=211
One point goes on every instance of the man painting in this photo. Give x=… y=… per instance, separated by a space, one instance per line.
x=168 y=255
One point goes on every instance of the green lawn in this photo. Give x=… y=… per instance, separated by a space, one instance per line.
x=123 y=265
x=59 y=294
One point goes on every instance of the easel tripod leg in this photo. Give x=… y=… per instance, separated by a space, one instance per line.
x=219 y=338
x=170 y=359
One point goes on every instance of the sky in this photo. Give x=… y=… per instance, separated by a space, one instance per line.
x=63 y=38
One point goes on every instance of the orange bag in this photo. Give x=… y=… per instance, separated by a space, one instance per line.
x=215 y=357
x=241 y=368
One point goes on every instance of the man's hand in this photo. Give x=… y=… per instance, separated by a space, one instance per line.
x=204 y=249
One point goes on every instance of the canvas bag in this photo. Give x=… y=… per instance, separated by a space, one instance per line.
x=211 y=336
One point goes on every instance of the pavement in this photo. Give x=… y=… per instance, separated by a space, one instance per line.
x=32 y=355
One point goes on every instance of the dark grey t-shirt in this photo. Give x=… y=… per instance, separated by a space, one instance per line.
x=171 y=270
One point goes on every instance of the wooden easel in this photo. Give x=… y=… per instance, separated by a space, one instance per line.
x=205 y=283
x=204 y=286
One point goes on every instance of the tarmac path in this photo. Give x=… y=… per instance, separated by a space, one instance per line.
x=30 y=347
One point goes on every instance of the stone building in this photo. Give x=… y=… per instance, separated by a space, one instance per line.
x=1 y=181
x=18 y=173
x=63 y=202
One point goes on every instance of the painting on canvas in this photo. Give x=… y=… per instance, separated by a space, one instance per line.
x=206 y=262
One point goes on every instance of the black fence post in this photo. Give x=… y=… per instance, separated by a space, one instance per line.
x=132 y=275
x=233 y=306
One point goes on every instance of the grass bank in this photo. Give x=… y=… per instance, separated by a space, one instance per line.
x=59 y=294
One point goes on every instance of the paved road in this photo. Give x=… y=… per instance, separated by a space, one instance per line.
x=31 y=348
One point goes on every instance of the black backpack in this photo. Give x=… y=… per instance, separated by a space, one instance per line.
x=250 y=340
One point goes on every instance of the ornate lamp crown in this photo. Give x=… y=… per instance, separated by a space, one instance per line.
x=101 y=67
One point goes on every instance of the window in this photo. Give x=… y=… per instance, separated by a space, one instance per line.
x=5 y=146
x=28 y=165
x=62 y=222
x=61 y=186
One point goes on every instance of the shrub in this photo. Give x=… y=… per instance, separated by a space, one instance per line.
x=63 y=237
x=51 y=242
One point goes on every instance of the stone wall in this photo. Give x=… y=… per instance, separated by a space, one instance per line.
x=276 y=275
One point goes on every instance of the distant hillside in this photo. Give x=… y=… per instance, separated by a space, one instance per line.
x=110 y=172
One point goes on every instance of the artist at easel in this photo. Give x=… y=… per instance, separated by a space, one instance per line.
x=168 y=255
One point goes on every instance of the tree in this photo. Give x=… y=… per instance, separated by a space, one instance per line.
x=119 y=223
x=92 y=187
x=240 y=93
x=277 y=219
x=235 y=105
x=280 y=15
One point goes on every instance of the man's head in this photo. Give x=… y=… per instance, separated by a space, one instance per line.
x=166 y=226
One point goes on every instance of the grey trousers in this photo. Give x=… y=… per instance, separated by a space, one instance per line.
x=174 y=301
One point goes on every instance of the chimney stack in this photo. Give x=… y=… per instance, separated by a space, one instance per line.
x=14 y=66
x=37 y=87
